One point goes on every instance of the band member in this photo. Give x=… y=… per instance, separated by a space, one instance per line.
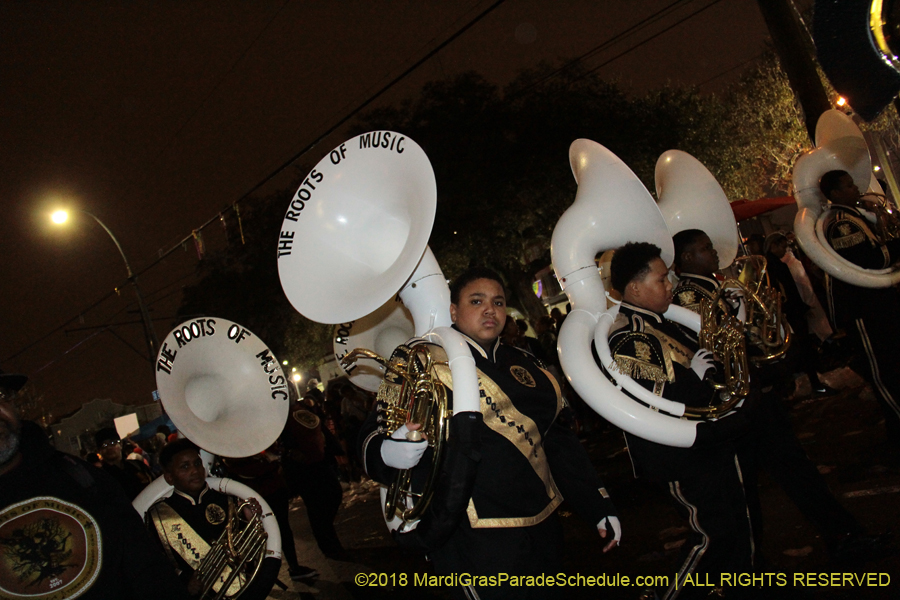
x=868 y=315
x=193 y=518
x=52 y=503
x=506 y=469
x=705 y=479
x=770 y=443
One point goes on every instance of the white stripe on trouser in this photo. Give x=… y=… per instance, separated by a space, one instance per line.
x=873 y=365
x=696 y=552
x=470 y=592
x=740 y=474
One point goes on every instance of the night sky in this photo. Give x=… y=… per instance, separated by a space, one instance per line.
x=156 y=116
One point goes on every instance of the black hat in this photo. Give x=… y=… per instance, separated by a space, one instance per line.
x=11 y=381
x=106 y=434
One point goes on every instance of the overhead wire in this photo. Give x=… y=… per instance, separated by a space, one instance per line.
x=651 y=19
x=163 y=254
x=649 y=39
x=608 y=43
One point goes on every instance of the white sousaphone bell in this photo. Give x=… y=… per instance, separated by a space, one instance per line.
x=691 y=198
x=612 y=207
x=381 y=331
x=357 y=231
x=226 y=392
x=840 y=146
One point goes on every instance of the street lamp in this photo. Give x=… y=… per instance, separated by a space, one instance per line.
x=61 y=216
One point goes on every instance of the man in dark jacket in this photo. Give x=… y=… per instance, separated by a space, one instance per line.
x=65 y=527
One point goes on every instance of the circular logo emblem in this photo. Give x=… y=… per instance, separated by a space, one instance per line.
x=215 y=514
x=522 y=376
x=49 y=549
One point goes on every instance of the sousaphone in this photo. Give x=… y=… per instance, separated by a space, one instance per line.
x=841 y=146
x=612 y=207
x=381 y=331
x=355 y=236
x=226 y=392
x=690 y=197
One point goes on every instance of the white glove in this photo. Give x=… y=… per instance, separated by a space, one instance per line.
x=400 y=453
x=702 y=362
x=611 y=523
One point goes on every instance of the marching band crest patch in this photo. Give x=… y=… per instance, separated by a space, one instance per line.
x=687 y=298
x=215 y=514
x=523 y=376
x=642 y=351
x=49 y=549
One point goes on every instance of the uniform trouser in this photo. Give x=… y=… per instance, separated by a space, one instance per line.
x=321 y=492
x=533 y=550
x=712 y=500
x=771 y=446
x=876 y=341
x=870 y=319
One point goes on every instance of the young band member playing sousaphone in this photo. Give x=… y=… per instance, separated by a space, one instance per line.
x=868 y=315
x=705 y=479
x=189 y=522
x=506 y=469
x=770 y=443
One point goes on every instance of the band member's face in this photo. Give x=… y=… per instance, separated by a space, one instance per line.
x=481 y=312
x=654 y=290
x=846 y=192
x=186 y=472
x=10 y=426
x=702 y=257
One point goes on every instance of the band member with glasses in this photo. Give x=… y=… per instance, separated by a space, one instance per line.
x=506 y=468
x=868 y=315
x=705 y=479
x=132 y=475
x=66 y=528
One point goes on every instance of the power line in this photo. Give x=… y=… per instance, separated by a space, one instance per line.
x=212 y=91
x=649 y=39
x=277 y=171
x=327 y=132
x=730 y=69
x=640 y=25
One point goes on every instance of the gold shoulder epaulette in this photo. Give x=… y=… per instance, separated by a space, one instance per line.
x=641 y=365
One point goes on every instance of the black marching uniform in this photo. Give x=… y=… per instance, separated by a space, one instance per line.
x=770 y=444
x=526 y=463
x=705 y=479
x=870 y=316
x=185 y=528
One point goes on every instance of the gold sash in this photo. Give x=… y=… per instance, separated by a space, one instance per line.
x=187 y=543
x=521 y=432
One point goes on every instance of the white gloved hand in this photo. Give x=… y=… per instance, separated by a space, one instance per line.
x=702 y=362
x=400 y=453
x=604 y=527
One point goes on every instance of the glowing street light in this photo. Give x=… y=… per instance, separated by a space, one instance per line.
x=297 y=377
x=61 y=216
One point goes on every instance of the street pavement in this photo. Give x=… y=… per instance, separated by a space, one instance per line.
x=843 y=434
